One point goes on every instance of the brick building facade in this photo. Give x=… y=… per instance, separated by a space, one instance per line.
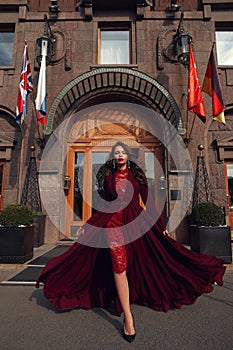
x=94 y=98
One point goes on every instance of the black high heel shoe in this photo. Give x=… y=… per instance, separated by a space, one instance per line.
x=129 y=337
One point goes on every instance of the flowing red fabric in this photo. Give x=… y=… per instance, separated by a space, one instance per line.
x=162 y=273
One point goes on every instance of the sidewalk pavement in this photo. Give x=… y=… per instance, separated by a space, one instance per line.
x=8 y=270
x=29 y=322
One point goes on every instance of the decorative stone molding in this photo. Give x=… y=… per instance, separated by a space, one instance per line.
x=165 y=47
x=62 y=47
x=6 y=145
x=141 y=4
x=225 y=147
x=22 y=12
x=134 y=84
x=87 y=7
x=79 y=3
x=207 y=11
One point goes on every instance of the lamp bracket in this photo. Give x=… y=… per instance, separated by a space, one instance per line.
x=48 y=31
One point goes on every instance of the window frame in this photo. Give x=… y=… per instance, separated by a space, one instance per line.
x=114 y=27
x=10 y=28
x=222 y=27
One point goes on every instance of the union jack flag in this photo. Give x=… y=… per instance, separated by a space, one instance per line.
x=25 y=87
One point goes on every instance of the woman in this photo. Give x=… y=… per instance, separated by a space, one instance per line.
x=141 y=263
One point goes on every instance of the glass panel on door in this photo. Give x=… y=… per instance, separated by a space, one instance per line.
x=150 y=172
x=98 y=159
x=78 y=186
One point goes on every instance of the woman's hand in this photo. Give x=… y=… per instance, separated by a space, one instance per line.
x=166 y=233
x=79 y=232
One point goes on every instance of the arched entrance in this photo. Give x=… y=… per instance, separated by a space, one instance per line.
x=91 y=137
x=118 y=84
x=91 y=90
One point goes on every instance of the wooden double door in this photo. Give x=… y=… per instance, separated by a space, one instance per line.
x=83 y=163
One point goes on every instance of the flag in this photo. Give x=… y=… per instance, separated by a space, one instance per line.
x=41 y=89
x=195 y=98
x=25 y=87
x=211 y=85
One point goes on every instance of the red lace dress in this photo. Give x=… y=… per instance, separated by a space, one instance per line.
x=115 y=238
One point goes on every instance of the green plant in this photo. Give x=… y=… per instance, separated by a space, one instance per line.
x=16 y=215
x=207 y=214
x=39 y=213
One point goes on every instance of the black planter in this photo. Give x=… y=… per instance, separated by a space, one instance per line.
x=39 y=230
x=212 y=240
x=16 y=244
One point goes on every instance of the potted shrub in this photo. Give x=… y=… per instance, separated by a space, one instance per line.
x=16 y=234
x=208 y=234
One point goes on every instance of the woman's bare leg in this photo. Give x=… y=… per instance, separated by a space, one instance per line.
x=122 y=288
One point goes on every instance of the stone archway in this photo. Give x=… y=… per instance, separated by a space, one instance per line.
x=106 y=81
x=90 y=134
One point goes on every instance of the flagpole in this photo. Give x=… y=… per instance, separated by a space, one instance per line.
x=25 y=88
x=35 y=111
x=21 y=165
x=191 y=130
x=21 y=159
x=195 y=99
x=34 y=105
x=187 y=112
x=187 y=119
x=41 y=137
x=41 y=87
x=212 y=86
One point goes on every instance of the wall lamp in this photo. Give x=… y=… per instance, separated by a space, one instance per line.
x=173 y=7
x=182 y=43
x=67 y=182
x=162 y=182
x=45 y=43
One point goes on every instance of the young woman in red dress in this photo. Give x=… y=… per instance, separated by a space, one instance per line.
x=125 y=255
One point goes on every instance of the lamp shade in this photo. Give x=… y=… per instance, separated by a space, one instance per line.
x=182 y=45
x=67 y=182
x=42 y=42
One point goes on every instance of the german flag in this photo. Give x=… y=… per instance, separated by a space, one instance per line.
x=195 y=98
x=211 y=85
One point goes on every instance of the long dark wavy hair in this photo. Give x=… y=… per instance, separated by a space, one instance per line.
x=109 y=167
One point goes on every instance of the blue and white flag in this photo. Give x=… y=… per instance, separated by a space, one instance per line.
x=41 y=89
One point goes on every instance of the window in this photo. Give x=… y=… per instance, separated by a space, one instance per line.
x=6 y=44
x=114 y=45
x=224 y=46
